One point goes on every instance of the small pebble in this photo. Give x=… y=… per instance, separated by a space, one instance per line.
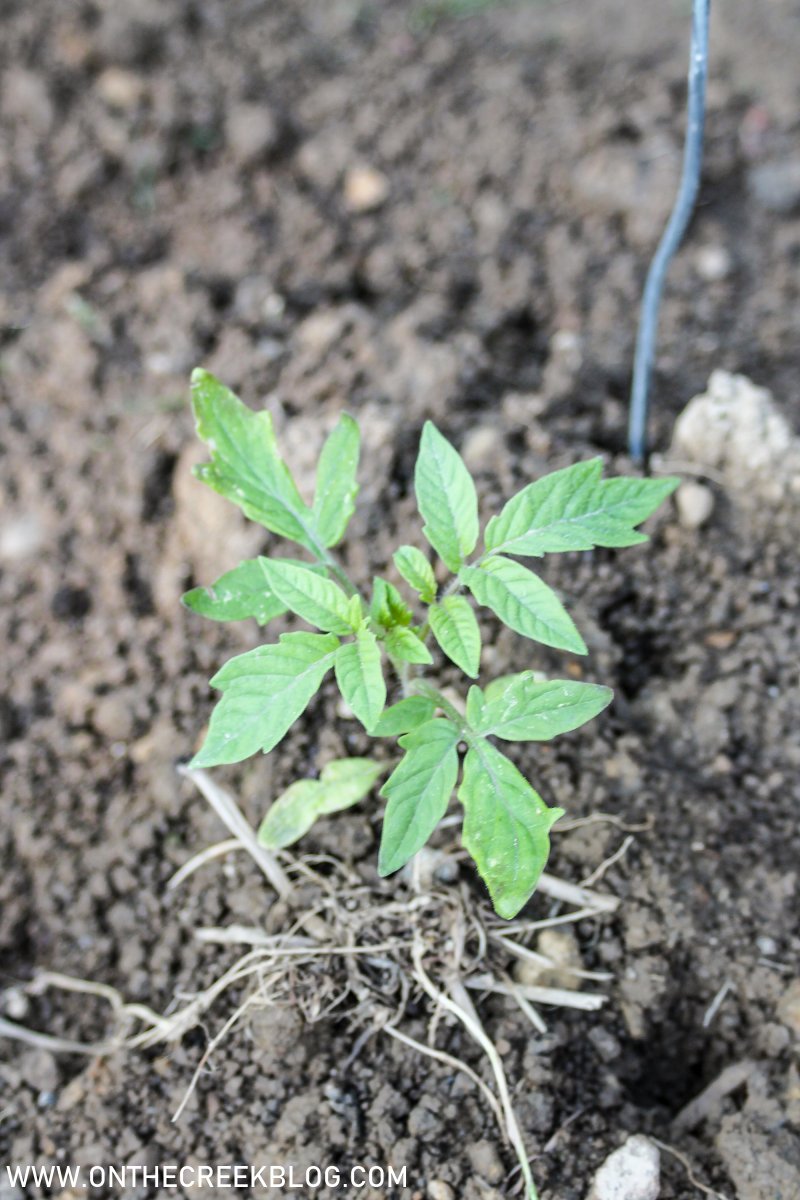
x=604 y=1042
x=365 y=189
x=486 y=1161
x=789 y=1007
x=483 y=448
x=439 y=1190
x=119 y=88
x=713 y=263
x=39 y=1070
x=695 y=504
x=20 y=537
x=631 y=1173
x=251 y=131
x=113 y=718
x=561 y=947
x=14 y=1003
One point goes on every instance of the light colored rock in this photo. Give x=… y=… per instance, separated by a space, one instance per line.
x=14 y=1003
x=439 y=1190
x=365 y=189
x=486 y=1161
x=20 y=537
x=761 y=1164
x=119 y=88
x=713 y=263
x=483 y=448
x=251 y=131
x=789 y=1007
x=695 y=504
x=39 y=1070
x=560 y=947
x=113 y=717
x=25 y=98
x=631 y=1173
x=564 y=362
x=736 y=429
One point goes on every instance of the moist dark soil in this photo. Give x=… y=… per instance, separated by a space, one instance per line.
x=196 y=183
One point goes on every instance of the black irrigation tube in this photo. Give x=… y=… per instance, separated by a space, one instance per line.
x=671 y=238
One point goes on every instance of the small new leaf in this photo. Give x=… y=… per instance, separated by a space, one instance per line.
x=342 y=784
x=446 y=498
x=240 y=593
x=245 y=464
x=454 y=625
x=529 y=710
x=264 y=692
x=404 y=716
x=524 y=602
x=575 y=509
x=316 y=599
x=388 y=608
x=336 y=490
x=417 y=572
x=506 y=827
x=418 y=792
x=359 y=675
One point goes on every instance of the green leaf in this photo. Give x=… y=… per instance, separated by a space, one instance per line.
x=240 y=593
x=574 y=509
x=524 y=602
x=336 y=490
x=264 y=692
x=405 y=645
x=245 y=464
x=404 y=716
x=506 y=827
x=316 y=599
x=359 y=675
x=446 y=498
x=417 y=572
x=529 y=710
x=388 y=608
x=418 y=792
x=342 y=784
x=476 y=705
x=454 y=625
x=495 y=688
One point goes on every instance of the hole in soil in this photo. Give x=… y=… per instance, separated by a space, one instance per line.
x=12 y=724
x=137 y=588
x=70 y=603
x=671 y=1068
x=157 y=501
x=221 y=294
x=644 y=647
x=404 y=458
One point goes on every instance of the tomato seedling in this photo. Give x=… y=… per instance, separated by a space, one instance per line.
x=264 y=691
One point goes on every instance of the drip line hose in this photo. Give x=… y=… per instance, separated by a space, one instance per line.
x=675 y=229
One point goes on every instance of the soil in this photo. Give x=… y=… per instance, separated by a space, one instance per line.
x=409 y=215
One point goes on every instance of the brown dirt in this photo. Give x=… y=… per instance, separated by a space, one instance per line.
x=172 y=191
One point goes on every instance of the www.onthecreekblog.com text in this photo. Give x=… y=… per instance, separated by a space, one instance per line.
x=264 y=1177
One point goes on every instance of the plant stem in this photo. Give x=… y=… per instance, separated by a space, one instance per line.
x=423 y=688
x=671 y=238
x=327 y=560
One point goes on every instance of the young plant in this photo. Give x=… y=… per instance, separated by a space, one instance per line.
x=264 y=691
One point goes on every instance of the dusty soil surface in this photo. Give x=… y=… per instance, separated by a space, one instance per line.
x=195 y=182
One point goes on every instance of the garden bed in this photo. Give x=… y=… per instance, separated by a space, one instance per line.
x=446 y=220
